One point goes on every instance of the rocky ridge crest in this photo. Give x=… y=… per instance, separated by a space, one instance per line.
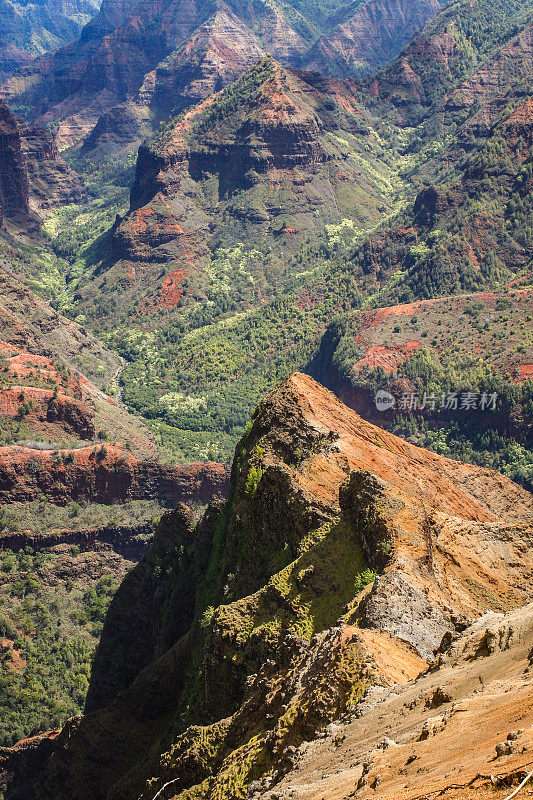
x=342 y=559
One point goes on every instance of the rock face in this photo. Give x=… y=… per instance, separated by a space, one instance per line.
x=269 y=160
x=14 y=189
x=214 y=56
x=429 y=75
x=341 y=560
x=29 y=29
x=135 y=63
x=482 y=679
x=32 y=176
x=43 y=387
x=136 y=51
x=374 y=35
x=130 y=541
x=51 y=181
x=103 y=474
x=49 y=406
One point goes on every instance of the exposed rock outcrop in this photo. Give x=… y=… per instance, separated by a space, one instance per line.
x=103 y=474
x=370 y=37
x=267 y=160
x=33 y=177
x=427 y=78
x=30 y=325
x=14 y=189
x=136 y=51
x=274 y=622
x=128 y=540
x=409 y=740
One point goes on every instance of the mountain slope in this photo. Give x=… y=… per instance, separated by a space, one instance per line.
x=258 y=169
x=126 y=42
x=467 y=45
x=471 y=234
x=33 y=178
x=135 y=63
x=32 y=28
x=424 y=353
x=276 y=615
x=397 y=753
x=198 y=287
x=80 y=490
x=369 y=38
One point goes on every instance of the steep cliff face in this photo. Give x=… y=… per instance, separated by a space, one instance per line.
x=131 y=49
x=410 y=739
x=14 y=196
x=268 y=161
x=29 y=29
x=32 y=176
x=77 y=509
x=136 y=63
x=214 y=56
x=103 y=474
x=372 y=36
x=342 y=558
x=51 y=181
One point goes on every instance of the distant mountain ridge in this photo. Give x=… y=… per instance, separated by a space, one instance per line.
x=134 y=56
x=28 y=29
x=271 y=159
x=373 y=35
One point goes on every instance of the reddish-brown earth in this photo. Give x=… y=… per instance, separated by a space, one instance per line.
x=49 y=409
x=103 y=474
x=378 y=326
x=14 y=656
x=32 y=326
x=435 y=737
x=269 y=169
x=412 y=86
x=58 y=405
x=372 y=36
x=143 y=51
x=135 y=64
x=466 y=330
x=313 y=480
x=44 y=360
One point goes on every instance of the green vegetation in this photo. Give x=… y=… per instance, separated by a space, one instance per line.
x=255 y=309
x=499 y=438
x=48 y=635
x=477 y=29
x=42 y=517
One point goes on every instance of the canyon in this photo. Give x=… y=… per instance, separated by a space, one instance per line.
x=218 y=579
x=356 y=559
